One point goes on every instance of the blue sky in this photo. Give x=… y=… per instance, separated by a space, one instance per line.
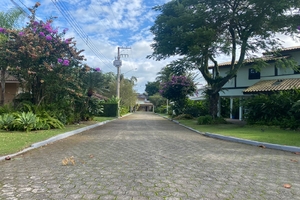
x=101 y=26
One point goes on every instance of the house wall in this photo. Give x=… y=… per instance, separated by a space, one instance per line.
x=238 y=84
x=11 y=90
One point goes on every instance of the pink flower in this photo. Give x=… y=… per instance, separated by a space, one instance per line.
x=60 y=60
x=65 y=30
x=66 y=63
x=21 y=33
x=97 y=69
x=42 y=34
x=68 y=41
x=35 y=23
x=48 y=37
x=2 y=30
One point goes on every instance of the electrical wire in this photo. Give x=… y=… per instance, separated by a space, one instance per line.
x=66 y=14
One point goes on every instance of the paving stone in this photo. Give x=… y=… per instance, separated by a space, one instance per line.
x=143 y=156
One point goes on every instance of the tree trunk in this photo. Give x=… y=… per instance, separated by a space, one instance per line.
x=213 y=103
x=2 y=87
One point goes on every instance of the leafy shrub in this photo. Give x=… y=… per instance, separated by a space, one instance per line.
x=7 y=108
x=184 y=116
x=219 y=120
x=161 y=109
x=196 y=108
x=123 y=110
x=41 y=124
x=6 y=121
x=279 y=109
x=291 y=123
x=207 y=119
x=25 y=121
x=46 y=121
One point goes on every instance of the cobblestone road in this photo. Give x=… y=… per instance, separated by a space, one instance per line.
x=143 y=156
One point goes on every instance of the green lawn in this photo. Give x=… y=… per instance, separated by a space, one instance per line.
x=267 y=134
x=12 y=142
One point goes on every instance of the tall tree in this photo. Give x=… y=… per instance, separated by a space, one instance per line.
x=8 y=20
x=128 y=95
x=44 y=60
x=152 y=88
x=201 y=30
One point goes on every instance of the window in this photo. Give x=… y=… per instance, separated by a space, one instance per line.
x=253 y=74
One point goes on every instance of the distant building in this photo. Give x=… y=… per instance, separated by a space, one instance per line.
x=271 y=78
x=143 y=103
x=12 y=88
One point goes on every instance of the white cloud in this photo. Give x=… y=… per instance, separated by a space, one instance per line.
x=107 y=24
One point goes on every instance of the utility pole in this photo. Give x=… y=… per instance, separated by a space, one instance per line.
x=118 y=63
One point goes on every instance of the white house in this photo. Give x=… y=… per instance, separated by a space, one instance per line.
x=248 y=81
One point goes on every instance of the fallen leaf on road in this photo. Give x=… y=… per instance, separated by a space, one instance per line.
x=298 y=153
x=293 y=160
x=287 y=185
x=7 y=158
x=91 y=156
x=262 y=146
x=67 y=161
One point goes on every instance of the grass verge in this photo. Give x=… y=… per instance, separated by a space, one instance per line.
x=269 y=134
x=12 y=142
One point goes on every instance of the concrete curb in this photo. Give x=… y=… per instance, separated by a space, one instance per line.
x=56 y=138
x=243 y=141
x=254 y=143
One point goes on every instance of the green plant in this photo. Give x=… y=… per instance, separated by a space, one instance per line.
x=6 y=121
x=207 y=119
x=41 y=124
x=44 y=119
x=7 y=108
x=25 y=121
x=184 y=116
x=123 y=110
x=112 y=100
x=196 y=108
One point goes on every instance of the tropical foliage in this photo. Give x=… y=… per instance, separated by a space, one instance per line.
x=58 y=87
x=280 y=109
x=199 y=31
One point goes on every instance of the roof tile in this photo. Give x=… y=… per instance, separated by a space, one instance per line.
x=274 y=85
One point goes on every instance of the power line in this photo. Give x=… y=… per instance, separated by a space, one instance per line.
x=66 y=14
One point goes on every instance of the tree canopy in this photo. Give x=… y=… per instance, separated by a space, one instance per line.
x=201 y=30
x=152 y=88
x=9 y=20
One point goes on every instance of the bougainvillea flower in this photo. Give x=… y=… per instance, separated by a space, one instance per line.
x=66 y=63
x=60 y=60
x=97 y=69
x=42 y=34
x=68 y=41
x=48 y=37
x=35 y=23
x=2 y=30
x=21 y=33
x=65 y=30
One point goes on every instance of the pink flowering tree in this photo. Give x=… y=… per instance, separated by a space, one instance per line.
x=45 y=62
x=177 y=90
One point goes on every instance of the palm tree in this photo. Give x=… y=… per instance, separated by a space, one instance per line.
x=8 y=20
